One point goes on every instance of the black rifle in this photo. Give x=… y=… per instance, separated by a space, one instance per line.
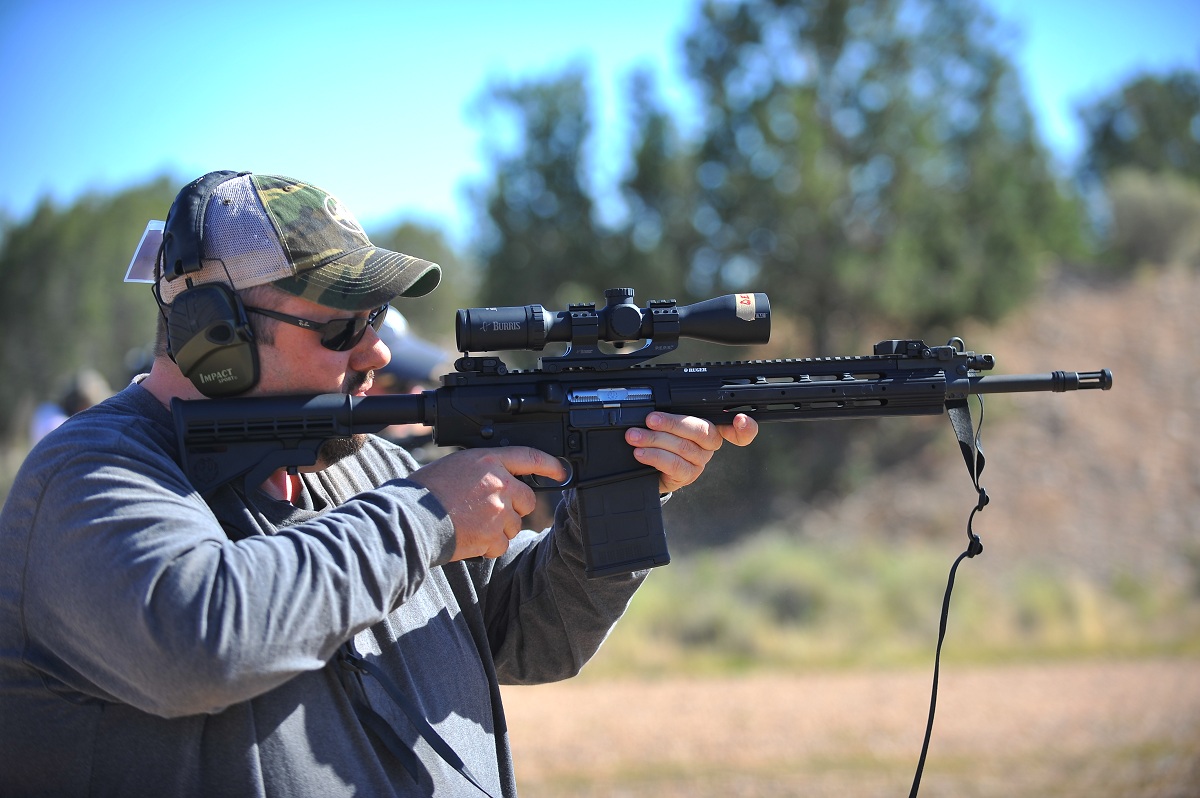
x=577 y=406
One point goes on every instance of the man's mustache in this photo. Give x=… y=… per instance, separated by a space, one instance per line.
x=357 y=379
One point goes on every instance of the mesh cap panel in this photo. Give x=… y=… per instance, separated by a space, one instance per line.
x=237 y=227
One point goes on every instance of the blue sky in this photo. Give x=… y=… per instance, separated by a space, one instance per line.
x=372 y=100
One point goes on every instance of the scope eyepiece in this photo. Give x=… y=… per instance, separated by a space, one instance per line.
x=500 y=329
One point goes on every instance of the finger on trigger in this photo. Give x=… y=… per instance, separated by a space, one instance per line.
x=523 y=461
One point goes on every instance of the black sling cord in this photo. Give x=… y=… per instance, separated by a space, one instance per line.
x=379 y=728
x=969 y=443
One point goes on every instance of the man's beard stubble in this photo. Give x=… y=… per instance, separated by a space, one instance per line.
x=336 y=449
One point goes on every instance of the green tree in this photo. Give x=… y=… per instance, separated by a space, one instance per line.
x=1151 y=123
x=872 y=165
x=65 y=304
x=657 y=234
x=541 y=241
x=869 y=160
x=1154 y=221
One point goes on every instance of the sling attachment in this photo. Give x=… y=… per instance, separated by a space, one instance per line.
x=378 y=727
x=969 y=442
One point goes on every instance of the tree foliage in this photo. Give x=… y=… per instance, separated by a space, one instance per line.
x=1150 y=123
x=1155 y=221
x=869 y=160
x=541 y=241
x=65 y=304
x=861 y=159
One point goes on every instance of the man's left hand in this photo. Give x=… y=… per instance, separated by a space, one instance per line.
x=681 y=446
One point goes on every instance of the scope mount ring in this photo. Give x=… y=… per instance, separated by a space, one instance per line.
x=589 y=356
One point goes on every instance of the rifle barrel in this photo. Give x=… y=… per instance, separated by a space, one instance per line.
x=372 y=413
x=1056 y=381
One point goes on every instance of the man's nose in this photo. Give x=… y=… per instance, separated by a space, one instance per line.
x=371 y=352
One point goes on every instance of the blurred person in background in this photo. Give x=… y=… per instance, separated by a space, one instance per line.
x=85 y=388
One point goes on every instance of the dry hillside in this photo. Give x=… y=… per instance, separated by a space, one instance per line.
x=1102 y=481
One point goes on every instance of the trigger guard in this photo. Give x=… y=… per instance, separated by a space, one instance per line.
x=539 y=482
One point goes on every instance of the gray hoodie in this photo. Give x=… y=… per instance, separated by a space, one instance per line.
x=156 y=642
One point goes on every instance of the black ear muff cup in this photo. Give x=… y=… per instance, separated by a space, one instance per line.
x=211 y=340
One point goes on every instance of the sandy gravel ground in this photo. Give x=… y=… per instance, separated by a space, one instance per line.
x=1128 y=729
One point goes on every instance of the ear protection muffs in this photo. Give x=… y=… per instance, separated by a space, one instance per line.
x=210 y=340
x=208 y=334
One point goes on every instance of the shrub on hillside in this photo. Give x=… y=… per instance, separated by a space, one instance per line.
x=1155 y=221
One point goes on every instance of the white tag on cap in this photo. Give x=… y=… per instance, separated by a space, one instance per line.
x=141 y=268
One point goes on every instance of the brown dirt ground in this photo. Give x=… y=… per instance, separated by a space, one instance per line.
x=1098 y=729
x=1095 y=484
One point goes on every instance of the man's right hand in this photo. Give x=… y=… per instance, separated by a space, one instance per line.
x=480 y=490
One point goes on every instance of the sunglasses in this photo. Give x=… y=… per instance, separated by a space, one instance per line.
x=339 y=335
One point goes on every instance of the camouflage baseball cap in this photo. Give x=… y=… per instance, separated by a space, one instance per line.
x=260 y=229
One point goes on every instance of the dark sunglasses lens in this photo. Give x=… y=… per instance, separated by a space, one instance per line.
x=342 y=334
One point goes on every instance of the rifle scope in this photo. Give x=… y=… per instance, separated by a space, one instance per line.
x=729 y=319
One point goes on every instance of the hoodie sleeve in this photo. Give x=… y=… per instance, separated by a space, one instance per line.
x=134 y=592
x=545 y=619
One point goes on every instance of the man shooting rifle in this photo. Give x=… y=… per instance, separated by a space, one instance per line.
x=336 y=628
